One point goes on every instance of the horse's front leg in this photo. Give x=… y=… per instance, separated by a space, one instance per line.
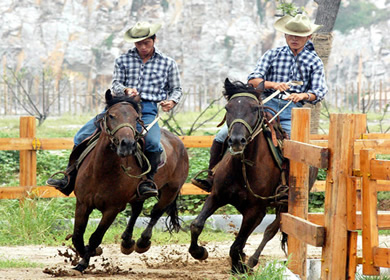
x=250 y=221
x=96 y=238
x=210 y=206
x=128 y=244
x=80 y=223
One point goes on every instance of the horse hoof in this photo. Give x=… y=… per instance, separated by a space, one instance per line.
x=142 y=249
x=252 y=262
x=200 y=254
x=80 y=267
x=127 y=249
x=98 y=251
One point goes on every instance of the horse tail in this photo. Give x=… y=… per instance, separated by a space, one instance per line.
x=174 y=221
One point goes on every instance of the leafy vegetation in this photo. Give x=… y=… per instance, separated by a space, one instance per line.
x=272 y=270
x=358 y=14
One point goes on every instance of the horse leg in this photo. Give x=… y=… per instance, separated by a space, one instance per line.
x=96 y=238
x=250 y=221
x=167 y=199
x=128 y=244
x=80 y=223
x=210 y=206
x=269 y=233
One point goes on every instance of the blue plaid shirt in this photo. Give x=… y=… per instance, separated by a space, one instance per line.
x=156 y=80
x=280 y=65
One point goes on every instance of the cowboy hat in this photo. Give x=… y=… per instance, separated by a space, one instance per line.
x=140 y=31
x=299 y=25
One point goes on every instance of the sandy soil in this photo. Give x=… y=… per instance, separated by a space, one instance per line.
x=160 y=262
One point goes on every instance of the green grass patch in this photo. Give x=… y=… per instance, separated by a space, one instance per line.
x=18 y=263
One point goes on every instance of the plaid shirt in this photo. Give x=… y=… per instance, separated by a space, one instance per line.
x=155 y=80
x=280 y=65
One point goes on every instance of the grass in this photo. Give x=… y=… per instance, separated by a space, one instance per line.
x=47 y=222
x=18 y=263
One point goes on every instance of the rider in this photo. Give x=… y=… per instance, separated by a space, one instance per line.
x=147 y=72
x=297 y=61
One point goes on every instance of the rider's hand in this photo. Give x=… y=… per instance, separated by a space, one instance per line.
x=167 y=105
x=296 y=97
x=131 y=92
x=280 y=86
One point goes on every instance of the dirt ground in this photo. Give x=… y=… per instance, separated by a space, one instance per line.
x=160 y=262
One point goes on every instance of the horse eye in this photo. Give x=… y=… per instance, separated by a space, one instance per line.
x=111 y=116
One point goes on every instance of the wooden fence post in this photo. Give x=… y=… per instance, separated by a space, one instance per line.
x=299 y=190
x=28 y=159
x=341 y=147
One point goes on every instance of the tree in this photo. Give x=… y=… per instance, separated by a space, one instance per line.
x=322 y=40
x=34 y=91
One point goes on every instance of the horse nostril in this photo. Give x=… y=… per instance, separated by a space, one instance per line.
x=243 y=141
x=230 y=142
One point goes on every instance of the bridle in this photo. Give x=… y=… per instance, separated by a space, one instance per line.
x=111 y=132
x=253 y=132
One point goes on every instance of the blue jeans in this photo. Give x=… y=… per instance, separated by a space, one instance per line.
x=152 y=138
x=277 y=105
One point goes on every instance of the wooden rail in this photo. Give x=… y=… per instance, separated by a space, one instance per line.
x=350 y=168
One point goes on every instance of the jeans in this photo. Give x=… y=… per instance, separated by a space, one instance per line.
x=276 y=104
x=152 y=138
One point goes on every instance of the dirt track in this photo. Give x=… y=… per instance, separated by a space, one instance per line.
x=160 y=262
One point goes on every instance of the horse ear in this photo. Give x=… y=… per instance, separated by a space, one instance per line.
x=108 y=95
x=228 y=83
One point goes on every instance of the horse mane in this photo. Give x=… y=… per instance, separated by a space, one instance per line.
x=231 y=88
x=123 y=98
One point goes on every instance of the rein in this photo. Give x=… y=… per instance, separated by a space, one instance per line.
x=115 y=142
x=258 y=128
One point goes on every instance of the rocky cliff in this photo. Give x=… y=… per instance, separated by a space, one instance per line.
x=210 y=40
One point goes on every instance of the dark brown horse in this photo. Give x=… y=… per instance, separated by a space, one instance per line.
x=108 y=177
x=247 y=177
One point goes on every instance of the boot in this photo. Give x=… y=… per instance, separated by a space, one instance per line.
x=216 y=154
x=65 y=184
x=148 y=188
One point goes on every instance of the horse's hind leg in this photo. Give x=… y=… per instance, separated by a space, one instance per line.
x=166 y=200
x=128 y=244
x=96 y=238
x=269 y=233
x=210 y=206
x=250 y=221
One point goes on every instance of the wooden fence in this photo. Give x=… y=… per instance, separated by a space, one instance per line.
x=336 y=229
x=342 y=153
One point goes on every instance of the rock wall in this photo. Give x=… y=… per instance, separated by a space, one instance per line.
x=210 y=40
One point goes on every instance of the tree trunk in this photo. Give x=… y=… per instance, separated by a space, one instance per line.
x=322 y=40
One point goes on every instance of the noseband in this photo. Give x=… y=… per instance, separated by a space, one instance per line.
x=111 y=132
x=253 y=132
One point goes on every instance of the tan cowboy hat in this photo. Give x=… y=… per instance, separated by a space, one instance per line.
x=299 y=25
x=140 y=31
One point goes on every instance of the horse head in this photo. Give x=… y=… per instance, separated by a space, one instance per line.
x=120 y=123
x=244 y=114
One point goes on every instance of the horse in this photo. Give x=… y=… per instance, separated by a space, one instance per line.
x=248 y=176
x=108 y=177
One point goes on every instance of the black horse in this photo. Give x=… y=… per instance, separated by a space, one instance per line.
x=248 y=177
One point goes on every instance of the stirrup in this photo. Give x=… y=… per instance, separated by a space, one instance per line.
x=152 y=186
x=59 y=172
x=200 y=183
